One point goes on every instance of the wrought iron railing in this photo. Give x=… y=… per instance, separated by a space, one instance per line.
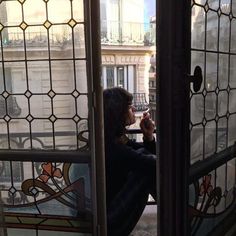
x=112 y=33
x=116 y=32
x=140 y=102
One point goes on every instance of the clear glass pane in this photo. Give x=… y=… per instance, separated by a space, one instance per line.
x=212 y=30
x=224 y=33
x=232 y=79
x=210 y=106
x=39 y=77
x=211 y=71
x=13 y=37
x=232 y=130
x=197 y=108
x=36 y=37
x=223 y=71
x=34 y=12
x=225 y=6
x=222 y=103
x=198 y=29
x=63 y=11
x=214 y=4
x=16 y=77
x=197 y=143
x=79 y=40
x=40 y=106
x=78 y=10
x=210 y=138
x=233 y=34
x=222 y=134
x=11 y=11
x=232 y=99
x=64 y=106
x=231 y=169
x=233 y=7
x=62 y=73
x=81 y=77
x=201 y=2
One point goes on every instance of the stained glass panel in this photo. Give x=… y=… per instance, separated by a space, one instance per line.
x=213 y=125
x=44 y=108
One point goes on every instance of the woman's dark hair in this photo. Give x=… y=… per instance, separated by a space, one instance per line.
x=115 y=102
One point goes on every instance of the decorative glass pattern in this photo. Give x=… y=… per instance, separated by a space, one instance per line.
x=47 y=195
x=213 y=111
x=44 y=109
x=43 y=72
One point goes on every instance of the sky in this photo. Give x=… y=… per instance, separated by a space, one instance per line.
x=149 y=9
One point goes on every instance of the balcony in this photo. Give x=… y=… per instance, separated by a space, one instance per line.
x=112 y=33
x=140 y=102
x=126 y=33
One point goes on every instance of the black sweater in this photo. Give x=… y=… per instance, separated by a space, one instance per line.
x=121 y=159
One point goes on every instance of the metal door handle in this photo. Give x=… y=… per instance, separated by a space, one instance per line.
x=196 y=78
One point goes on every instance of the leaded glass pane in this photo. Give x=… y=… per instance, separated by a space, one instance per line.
x=213 y=129
x=44 y=109
x=51 y=83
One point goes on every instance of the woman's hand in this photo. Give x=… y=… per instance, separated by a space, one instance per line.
x=147 y=126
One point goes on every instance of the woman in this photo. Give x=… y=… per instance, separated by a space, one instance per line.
x=130 y=166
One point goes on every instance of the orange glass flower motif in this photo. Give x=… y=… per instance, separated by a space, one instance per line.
x=49 y=171
x=206 y=186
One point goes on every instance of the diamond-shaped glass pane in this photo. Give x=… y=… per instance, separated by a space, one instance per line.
x=21 y=1
x=204 y=121
x=75 y=93
x=23 y=25
x=47 y=24
x=76 y=118
x=51 y=94
x=52 y=118
x=227 y=114
x=12 y=190
x=206 y=7
x=7 y=118
x=5 y=94
x=29 y=118
x=204 y=92
x=1 y=27
x=34 y=191
x=28 y=94
x=72 y=23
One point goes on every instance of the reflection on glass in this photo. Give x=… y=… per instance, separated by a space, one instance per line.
x=224 y=33
x=212 y=31
x=198 y=27
x=223 y=71
x=197 y=108
x=214 y=128
x=49 y=71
